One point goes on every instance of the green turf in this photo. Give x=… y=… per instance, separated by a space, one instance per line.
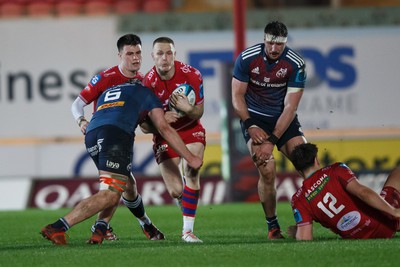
x=233 y=235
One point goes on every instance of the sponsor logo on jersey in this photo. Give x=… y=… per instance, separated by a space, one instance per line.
x=112 y=165
x=349 y=221
x=316 y=187
x=99 y=141
x=199 y=135
x=256 y=70
x=111 y=105
x=93 y=151
x=258 y=83
x=109 y=74
x=161 y=149
x=95 y=79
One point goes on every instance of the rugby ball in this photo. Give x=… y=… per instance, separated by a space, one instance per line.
x=187 y=90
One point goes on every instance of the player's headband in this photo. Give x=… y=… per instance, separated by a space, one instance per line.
x=275 y=39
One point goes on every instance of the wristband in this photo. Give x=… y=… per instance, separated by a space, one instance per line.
x=273 y=139
x=80 y=120
x=248 y=123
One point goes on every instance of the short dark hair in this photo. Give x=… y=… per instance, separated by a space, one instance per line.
x=276 y=28
x=163 y=39
x=303 y=156
x=128 y=39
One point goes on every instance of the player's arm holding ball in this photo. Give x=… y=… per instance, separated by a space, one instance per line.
x=181 y=102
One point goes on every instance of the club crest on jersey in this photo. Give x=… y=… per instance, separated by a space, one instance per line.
x=161 y=93
x=281 y=73
x=161 y=149
x=185 y=68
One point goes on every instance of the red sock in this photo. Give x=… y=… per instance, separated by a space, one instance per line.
x=190 y=199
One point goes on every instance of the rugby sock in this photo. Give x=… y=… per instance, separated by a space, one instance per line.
x=94 y=227
x=188 y=224
x=273 y=223
x=61 y=224
x=190 y=199
x=102 y=226
x=137 y=208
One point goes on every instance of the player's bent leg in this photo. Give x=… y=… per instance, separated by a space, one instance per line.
x=133 y=201
x=267 y=194
x=191 y=195
x=85 y=209
x=107 y=214
x=172 y=176
x=393 y=179
x=110 y=184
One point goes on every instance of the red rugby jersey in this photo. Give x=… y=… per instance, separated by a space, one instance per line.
x=184 y=74
x=323 y=198
x=102 y=81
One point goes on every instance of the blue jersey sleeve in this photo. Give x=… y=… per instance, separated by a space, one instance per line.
x=298 y=78
x=241 y=69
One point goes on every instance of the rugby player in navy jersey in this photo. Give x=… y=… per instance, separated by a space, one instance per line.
x=109 y=141
x=267 y=85
x=130 y=55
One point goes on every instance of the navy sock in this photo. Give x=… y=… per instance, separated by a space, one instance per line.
x=136 y=206
x=61 y=224
x=273 y=223
x=102 y=226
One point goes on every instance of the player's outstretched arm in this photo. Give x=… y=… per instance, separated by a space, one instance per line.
x=173 y=139
x=370 y=197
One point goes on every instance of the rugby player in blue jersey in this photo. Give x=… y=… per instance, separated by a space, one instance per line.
x=109 y=141
x=267 y=85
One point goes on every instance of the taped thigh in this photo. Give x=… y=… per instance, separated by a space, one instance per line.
x=113 y=182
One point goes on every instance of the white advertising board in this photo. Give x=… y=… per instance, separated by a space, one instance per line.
x=44 y=63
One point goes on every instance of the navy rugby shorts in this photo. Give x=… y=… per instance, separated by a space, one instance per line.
x=110 y=148
x=268 y=125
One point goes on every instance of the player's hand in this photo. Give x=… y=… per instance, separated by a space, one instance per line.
x=262 y=154
x=181 y=102
x=171 y=116
x=257 y=134
x=291 y=231
x=84 y=125
x=195 y=163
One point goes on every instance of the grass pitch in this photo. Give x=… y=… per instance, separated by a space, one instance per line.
x=233 y=235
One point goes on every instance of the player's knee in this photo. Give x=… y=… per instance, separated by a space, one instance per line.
x=267 y=173
x=113 y=182
x=175 y=192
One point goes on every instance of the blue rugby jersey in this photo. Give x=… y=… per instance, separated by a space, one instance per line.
x=124 y=106
x=268 y=83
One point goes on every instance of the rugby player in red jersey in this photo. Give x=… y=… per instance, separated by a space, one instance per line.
x=166 y=75
x=334 y=197
x=130 y=55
